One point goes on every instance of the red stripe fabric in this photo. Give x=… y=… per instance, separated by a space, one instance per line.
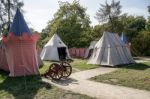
x=77 y=52
x=21 y=54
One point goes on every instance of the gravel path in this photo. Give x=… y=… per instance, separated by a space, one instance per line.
x=78 y=83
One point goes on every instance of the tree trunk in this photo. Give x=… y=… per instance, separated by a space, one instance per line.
x=8 y=14
x=112 y=25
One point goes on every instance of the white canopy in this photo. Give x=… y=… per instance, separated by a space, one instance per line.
x=110 y=51
x=50 y=51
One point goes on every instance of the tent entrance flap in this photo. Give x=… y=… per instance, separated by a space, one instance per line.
x=62 y=53
x=90 y=53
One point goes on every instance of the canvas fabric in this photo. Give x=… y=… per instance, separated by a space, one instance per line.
x=110 y=51
x=77 y=52
x=19 y=49
x=91 y=47
x=21 y=54
x=50 y=51
x=3 y=60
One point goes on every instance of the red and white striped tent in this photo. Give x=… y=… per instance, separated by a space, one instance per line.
x=18 y=52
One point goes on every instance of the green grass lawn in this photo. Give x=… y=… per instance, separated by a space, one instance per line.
x=79 y=64
x=32 y=87
x=135 y=75
x=82 y=64
x=45 y=67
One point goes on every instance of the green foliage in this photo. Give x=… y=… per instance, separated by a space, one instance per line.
x=133 y=28
x=5 y=32
x=43 y=39
x=32 y=87
x=141 y=43
x=72 y=24
x=7 y=9
x=148 y=22
x=149 y=9
x=82 y=64
x=134 y=25
x=137 y=24
x=97 y=32
x=44 y=36
x=77 y=64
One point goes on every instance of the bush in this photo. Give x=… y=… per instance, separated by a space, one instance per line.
x=142 y=43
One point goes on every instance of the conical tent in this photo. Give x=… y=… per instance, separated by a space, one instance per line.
x=19 y=25
x=51 y=49
x=110 y=51
x=89 y=50
x=20 y=48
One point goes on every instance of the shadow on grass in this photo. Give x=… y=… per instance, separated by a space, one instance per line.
x=21 y=87
x=136 y=66
x=65 y=82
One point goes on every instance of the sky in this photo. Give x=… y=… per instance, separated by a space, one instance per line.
x=37 y=13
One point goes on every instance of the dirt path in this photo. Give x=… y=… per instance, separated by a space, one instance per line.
x=142 y=59
x=78 y=83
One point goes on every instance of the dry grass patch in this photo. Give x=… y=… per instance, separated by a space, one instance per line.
x=135 y=76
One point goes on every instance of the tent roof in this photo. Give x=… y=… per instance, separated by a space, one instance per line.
x=109 y=40
x=55 y=41
x=19 y=25
x=92 y=44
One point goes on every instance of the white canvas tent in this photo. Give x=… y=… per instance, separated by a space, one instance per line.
x=50 y=50
x=89 y=50
x=110 y=51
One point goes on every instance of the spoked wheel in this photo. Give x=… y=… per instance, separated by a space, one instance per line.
x=56 y=72
x=67 y=69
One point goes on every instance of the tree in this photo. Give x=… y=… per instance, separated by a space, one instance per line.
x=44 y=37
x=97 y=31
x=109 y=13
x=148 y=22
x=7 y=9
x=134 y=26
x=141 y=40
x=71 y=23
x=141 y=43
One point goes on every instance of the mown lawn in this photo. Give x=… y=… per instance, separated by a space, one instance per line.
x=32 y=87
x=45 y=67
x=135 y=76
x=81 y=64
x=78 y=64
